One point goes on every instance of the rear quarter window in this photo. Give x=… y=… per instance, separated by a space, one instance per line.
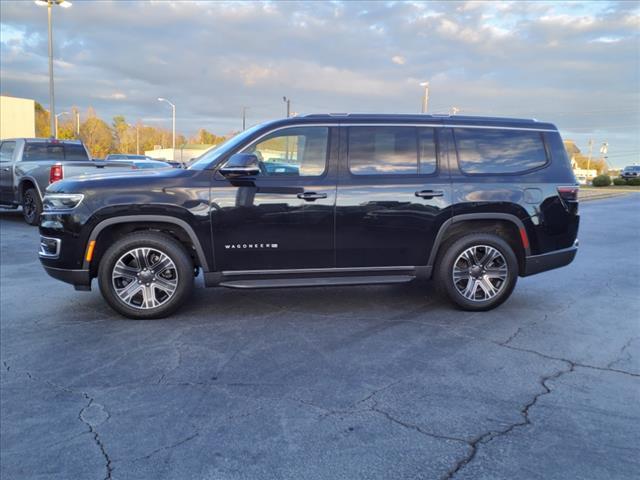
x=494 y=151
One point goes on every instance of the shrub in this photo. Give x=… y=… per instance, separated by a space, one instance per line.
x=634 y=182
x=602 y=181
x=619 y=181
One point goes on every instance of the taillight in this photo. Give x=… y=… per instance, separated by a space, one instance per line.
x=569 y=194
x=55 y=173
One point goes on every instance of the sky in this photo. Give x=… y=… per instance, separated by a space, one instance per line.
x=575 y=64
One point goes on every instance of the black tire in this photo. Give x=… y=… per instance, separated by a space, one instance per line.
x=157 y=242
x=481 y=300
x=31 y=206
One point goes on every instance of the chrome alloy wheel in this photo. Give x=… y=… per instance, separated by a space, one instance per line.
x=144 y=278
x=480 y=273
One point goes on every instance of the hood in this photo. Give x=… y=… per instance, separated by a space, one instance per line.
x=119 y=180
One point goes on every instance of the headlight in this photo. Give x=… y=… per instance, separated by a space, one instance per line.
x=61 y=201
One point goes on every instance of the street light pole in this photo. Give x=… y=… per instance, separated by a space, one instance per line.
x=173 y=108
x=56 y=122
x=52 y=104
x=425 y=97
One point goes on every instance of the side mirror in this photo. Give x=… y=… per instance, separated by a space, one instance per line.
x=241 y=165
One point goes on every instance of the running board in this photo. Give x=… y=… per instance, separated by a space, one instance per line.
x=316 y=281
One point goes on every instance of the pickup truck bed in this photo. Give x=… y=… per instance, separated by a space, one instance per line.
x=26 y=170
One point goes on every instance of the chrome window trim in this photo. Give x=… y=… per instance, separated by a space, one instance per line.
x=44 y=254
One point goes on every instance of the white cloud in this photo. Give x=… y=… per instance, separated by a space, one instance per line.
x=398 y=60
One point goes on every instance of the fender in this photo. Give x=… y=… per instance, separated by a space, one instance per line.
x=21 y=183
x=475 y=216
x=152 y=218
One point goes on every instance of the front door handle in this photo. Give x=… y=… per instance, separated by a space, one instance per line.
x=6 y=169
x=429 y=193
x=311 y=196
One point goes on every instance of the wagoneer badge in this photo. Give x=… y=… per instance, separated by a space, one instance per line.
x=243 y=246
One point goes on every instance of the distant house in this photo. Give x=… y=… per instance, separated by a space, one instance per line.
x=579 y=162
x=17 y=117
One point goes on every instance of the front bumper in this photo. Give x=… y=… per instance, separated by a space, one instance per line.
x=80 y=279
x=548 y=261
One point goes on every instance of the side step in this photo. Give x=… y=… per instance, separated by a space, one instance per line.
x=316 y=281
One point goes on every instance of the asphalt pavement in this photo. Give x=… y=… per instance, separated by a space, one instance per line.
x=376 y=382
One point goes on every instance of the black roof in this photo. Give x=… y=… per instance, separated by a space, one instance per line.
x=454 y=120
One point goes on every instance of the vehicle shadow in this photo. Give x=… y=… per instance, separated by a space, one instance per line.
x=12 y=215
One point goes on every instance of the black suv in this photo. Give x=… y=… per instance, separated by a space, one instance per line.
x=325 y=200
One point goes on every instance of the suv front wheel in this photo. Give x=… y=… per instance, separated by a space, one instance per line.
x=478 y=271
x=146 y=275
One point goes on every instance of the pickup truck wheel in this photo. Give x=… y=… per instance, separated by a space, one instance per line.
x=31 y=206
x=478 y=271
x=146 y=275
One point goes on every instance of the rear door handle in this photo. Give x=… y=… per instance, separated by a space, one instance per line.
x=311 y=196
x=6 y=169
x=429 y=193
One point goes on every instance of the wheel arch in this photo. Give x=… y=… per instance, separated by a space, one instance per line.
x=179 y=228
x=25 y=183
x=507 y=225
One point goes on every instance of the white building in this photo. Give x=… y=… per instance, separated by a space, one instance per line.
x=179 y=154
x=17 y=117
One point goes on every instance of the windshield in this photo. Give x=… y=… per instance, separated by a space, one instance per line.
x=211 y=155
x=632 y=169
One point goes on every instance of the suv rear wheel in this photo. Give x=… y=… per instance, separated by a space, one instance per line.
x=31 y=206
x=146 y=275
x=478 y=271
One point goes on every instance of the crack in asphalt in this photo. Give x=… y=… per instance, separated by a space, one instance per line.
x=96 y=436
x=488 y=436
x=168 y=447
x=623 y=350
x=91 y=427
x=572 y=362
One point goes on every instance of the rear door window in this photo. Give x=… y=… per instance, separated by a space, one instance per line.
x=43 y=151
x=392 y=150
x=487 y=151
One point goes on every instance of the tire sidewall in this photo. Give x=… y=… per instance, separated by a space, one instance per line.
x=445 y=269
x=158 y=241
x=35 y=219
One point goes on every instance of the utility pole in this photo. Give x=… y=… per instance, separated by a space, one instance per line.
x=244 y=118
x=288 y=102
x=425 y=97
x=590 y=151
x=76 y=118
